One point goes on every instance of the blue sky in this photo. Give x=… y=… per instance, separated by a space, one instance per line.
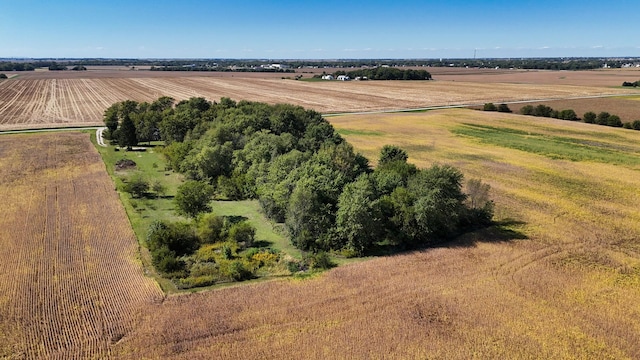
x=328 y=29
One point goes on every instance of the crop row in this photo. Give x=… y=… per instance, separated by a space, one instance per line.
x=71 y=283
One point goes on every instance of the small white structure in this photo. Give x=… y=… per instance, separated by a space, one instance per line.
x=327 y=77
x=343 y=78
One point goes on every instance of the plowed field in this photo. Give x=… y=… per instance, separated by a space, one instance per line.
x=42 y=99
x=70 y=282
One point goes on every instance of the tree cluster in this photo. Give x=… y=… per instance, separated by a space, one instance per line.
x=631 y=84
x=590 y=117
x=306 y=176
x=547 y=111
x=500 y=108
x=129 y=122
x=3 y=76
x=387 y=73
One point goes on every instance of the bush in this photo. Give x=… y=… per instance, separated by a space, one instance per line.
x=177 y=237
x=504 y=108
x=136 y=185
x=166 y=261
x=210 y=228
x=589 y=117
x=236 y=271
x=243 y=233
x=320 y=260
x=490 y=107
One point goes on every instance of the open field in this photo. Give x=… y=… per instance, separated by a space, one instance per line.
x=628 y=108
x=38 y=99
x=559 y=279
x=71 y=283
x=598 y=77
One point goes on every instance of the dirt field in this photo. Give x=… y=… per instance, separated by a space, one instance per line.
x=628 y=108
x=70 y=282
x=37 y=99
x=560 y=279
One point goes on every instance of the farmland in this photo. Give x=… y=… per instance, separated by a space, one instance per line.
x=49 y=99
x=70 y=280
x=558 y=279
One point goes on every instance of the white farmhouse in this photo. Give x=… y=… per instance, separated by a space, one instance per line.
x=343 y=78
x=327 y=77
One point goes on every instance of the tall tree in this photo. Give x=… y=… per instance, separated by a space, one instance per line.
x=127 y=135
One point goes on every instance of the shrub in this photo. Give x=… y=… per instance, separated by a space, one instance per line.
x=243 y=233
x=490 y=107
x=236 y=271
x=320 y=260
x=166 y=261
x=527 y=110
x=136 y=185
x=504 y=108
x=177 y=237
x=210 y=228
x=589 y=117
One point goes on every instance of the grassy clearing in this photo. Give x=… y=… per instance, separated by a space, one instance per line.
x=267 y=234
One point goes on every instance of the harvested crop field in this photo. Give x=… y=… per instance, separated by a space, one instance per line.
x=597 y=77
x=70 y=99
x=71 y=282
x=559 y=278
x=628 y=108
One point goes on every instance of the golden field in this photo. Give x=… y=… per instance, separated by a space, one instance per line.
x=53 y=99
x=559 y=278
x=71 y=285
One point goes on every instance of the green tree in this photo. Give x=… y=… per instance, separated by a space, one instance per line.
x=243 y=233
x=589 y=117
x=391 y=153
x=210 y=228
x=136 y=185
x=490 y=107
x=193 y=198
x=3 y=76
x=568 y=114
x=504 y=108
x=127 y=134
x=111 y=119
x=527 y=110
x=602 y=118
x=358 y=219
x=614 y=120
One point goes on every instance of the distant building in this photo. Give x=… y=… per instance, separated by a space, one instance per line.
x=327 y=77
x=275 y=66
x=343 y=78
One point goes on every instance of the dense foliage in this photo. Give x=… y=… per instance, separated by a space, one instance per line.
x=303 y=173
x=386 y=73
x=590 y=117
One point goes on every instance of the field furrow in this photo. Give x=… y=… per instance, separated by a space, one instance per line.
x=72 y=287
x=53 y=98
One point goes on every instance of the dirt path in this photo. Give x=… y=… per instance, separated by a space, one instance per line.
x=99 y=137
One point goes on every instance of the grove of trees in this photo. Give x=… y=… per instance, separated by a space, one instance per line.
x=302 y=172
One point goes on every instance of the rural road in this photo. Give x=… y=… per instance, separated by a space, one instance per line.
x=99 y=137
